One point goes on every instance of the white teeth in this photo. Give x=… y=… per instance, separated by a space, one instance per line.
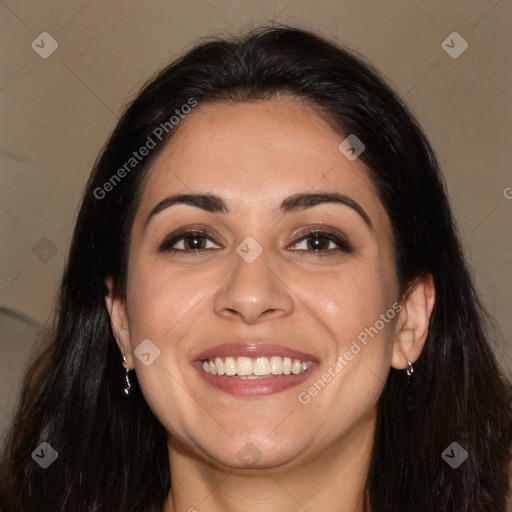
x=244 y=366
x=219 y=365
x=276 y=365
x=249 y=368
x=261 y=366
x=230 y=366
x=287 y=366
x=296 y=367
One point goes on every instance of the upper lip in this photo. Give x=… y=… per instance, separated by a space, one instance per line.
x=253 y=349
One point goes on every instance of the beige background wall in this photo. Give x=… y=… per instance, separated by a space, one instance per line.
x=56 y=112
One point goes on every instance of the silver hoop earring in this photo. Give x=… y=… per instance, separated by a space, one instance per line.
x=409 y=370
x=128 y=387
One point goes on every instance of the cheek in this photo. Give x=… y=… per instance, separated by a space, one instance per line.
x=349 y=301
x=161 y=301
x=164 y=306
x=355 y=306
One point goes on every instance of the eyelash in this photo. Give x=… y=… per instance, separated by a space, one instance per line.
x=342 y=243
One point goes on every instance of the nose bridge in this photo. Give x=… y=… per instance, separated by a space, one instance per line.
x=252 y=288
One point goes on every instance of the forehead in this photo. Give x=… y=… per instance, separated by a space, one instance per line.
x=257 y=153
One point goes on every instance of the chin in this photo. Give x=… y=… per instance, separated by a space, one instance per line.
x=253 y=452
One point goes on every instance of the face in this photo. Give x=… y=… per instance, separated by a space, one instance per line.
x=293 y=297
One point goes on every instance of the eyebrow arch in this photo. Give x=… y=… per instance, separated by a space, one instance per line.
x=296 y=202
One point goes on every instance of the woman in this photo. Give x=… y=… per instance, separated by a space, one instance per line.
x=265 y=306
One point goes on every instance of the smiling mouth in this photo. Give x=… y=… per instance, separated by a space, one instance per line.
x=254 y=367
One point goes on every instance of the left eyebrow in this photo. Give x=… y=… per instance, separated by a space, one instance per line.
x=296 y=202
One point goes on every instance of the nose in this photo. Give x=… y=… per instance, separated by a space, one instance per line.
x=253 y=292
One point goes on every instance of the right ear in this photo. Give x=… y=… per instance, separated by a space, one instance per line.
x=116 y=308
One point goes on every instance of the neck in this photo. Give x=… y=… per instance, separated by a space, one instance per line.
x=333 y=481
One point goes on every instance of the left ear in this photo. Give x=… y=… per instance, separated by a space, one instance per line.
x=412 y=323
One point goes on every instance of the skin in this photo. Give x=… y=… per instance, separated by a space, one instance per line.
x=313 y=456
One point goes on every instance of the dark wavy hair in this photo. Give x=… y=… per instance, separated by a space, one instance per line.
x=112 y=451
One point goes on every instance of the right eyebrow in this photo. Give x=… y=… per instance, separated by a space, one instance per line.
x=208 y=202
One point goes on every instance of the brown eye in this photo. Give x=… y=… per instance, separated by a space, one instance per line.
x=322 y=242
x=190 y=241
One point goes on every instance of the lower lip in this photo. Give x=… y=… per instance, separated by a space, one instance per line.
x=262 y=386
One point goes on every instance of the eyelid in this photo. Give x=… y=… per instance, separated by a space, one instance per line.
x=334 y=236
x=182 y=233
